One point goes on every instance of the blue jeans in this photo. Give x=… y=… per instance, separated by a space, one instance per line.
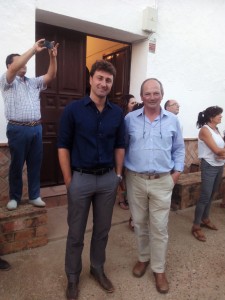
x=25 y=145
x=211 y=177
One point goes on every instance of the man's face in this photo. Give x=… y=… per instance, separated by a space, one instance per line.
x=151 y=94
x=173 y=107
x=22 y=71
x=101 y=83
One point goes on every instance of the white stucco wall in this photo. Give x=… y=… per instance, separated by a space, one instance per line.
x=189 y=57
x=125 y=15
x=17 y=31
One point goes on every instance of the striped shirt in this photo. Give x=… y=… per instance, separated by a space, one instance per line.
x=22 y=98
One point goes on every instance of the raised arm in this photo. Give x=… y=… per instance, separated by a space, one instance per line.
x=21 y=61
x=52 y=69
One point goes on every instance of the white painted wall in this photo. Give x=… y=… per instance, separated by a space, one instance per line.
x=125 y=15
x=17 y=32
x=139 y=67
x=189 y=58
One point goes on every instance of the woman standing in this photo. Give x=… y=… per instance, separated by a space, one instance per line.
x=211 y=151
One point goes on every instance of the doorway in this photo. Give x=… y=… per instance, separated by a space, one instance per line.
x=77 y=52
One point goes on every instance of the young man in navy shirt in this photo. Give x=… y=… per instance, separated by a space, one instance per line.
x=91 y=152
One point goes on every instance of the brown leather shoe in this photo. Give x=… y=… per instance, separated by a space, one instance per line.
x=140 y=268
x=161 y=283
x=101 y=278
x=72 y=291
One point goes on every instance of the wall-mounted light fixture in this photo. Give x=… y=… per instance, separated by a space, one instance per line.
x=149 y=20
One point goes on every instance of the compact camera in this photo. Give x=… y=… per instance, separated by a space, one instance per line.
x=48 y=44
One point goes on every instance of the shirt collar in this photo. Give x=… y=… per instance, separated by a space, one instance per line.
x=140 y=112
x=20 y=79
x=87 y=101
x=164 y=112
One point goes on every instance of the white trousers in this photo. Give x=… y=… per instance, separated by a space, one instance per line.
x=149 y=202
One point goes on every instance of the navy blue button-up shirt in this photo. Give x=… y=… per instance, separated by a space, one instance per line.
x=91 y=136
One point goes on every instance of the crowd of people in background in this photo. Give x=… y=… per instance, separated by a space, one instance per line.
x=135 y=153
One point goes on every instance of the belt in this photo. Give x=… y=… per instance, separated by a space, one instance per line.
x=150 y=176
x=31 y=124
x=93 y=171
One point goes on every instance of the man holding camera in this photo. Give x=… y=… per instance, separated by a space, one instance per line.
x=24 y=131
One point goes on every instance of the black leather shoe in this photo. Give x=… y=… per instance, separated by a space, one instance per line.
x=101 y=278
x=4 y=265
x=72 y=291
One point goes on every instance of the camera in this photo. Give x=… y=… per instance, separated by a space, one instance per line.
x=48 y=44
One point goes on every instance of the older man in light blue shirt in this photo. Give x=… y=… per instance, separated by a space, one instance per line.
x=154 y=159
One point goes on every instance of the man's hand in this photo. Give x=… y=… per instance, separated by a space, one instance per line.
x=39 y=46
x=175 y=175
x=53 y=51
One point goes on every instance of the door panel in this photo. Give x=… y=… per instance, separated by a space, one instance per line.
x=49 y=174
x=68 y=85
x=72 y=67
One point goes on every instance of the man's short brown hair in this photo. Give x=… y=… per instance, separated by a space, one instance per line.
x=103 y=65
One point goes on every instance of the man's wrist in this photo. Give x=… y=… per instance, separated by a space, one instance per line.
x=120 y=177
x=34 y=51
x=176 y=171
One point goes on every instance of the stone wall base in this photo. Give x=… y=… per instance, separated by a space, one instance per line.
x=23 y=228
x=186 y=191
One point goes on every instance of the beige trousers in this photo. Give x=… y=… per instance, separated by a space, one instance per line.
x=149 y=202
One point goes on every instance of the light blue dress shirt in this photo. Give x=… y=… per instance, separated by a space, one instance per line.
x=153 y=147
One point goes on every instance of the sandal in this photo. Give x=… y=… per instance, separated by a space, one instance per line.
x=198 y=234
x=222 y=205
x=208 y=224
x=123 y=205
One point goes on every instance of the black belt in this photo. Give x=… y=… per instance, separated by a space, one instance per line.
x=93 y=171
x=30 y=124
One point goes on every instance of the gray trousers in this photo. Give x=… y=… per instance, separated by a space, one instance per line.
x=84 y=190
x=211 y=177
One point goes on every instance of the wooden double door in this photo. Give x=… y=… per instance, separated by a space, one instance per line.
x=69 y=85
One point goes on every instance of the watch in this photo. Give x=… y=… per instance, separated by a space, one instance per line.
x=120 y=177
